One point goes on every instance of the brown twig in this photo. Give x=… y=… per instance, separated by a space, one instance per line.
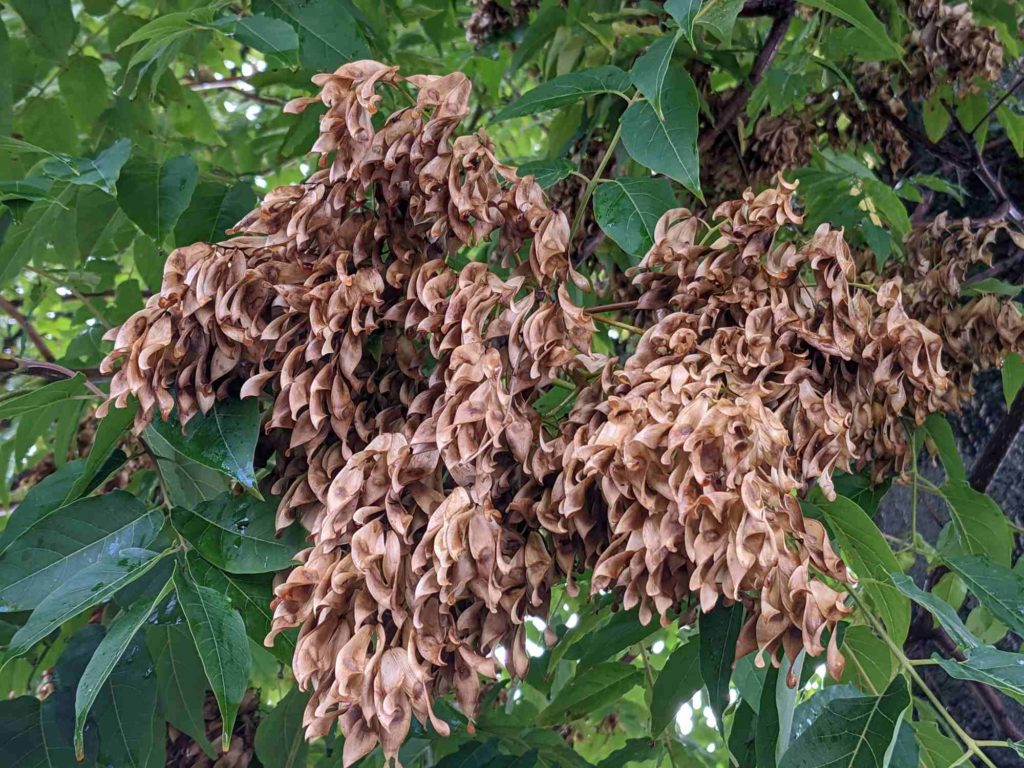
x=998 y=103
x=30 y=330
x=783 y=12
x=48 y=370
x=981 y=169
x=616 y=307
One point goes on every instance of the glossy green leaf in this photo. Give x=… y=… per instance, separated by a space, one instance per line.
x=936 y=749
x=998 y=588
x=940 y=609
x=611 y=638
x=650 y=70
x=101 y=171
x=131 y=728
x=628 y=209
x=213 y=209
x=223 y=439
x=280 y=741
x=676 y=684
x=719 y=631
x=81 y=590
x=62 y=543
x=154 y=195
x=867 y=552
x=858 y=14
x=46 y=396
x=108 y=654
x=595 y=687
x=767 y=728
x=181 y=681
x=109 y=432
x=855 y=732
x=667 y=145
x=1000 y=669
x=237 y=534
x=567 y=89
x=29 y=732
x=223 y=647
x=981 y=527
x=186 y=482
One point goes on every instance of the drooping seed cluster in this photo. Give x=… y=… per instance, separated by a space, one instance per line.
x=408 y=419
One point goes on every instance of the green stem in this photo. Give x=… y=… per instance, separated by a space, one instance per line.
x=618 y=324
x=649 y=674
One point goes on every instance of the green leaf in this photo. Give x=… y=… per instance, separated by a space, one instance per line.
x=329 y=34
x=786 y=700
x=567 y=89
x=937 y=749
x=1013 y=377
x=107 y=655
x=46 y=228
x=628 y=209
x=719 y=631
x=51 y=25
x=223 y=647
x=872 y=560
x=547 y=172
x=668 y=145
x=639 y=750
x=20 y=404
x=83 y=86
x=685 y=13
x=999 y=669
x=1013 y=124
x=280 y=742
x=992 y=285
x=997 y=587
x=676 y=684
x=869 y=664
x=131 y=729
x=594 y=688
x=936 y=426
x=6 y=83
x=223 y=439
x=857 y=14
x=213 y=209
x=60 y=544
x=768 y=726
x=939 y=608
x=855 y=732
x=83 y=589
x=30 y=734
x=110 y=431
x=972 y=113
x=981 y=527
x=719 y=16
x=101 y=171
x=612 y=638
x=154 y=195
x=935 y=117
x=186 y=482
x=265 y=34
x=237 y=534
x=181 y=682
x=649 y=71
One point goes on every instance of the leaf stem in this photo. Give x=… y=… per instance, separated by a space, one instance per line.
x=618 y=324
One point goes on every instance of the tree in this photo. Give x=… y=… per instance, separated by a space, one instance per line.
x=537 y=386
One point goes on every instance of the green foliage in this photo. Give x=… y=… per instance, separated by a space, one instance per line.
x=131 y=127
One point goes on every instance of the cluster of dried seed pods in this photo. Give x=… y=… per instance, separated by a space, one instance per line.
x=440 y=509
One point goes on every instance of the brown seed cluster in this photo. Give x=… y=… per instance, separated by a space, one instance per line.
x=185 y=752
x=407 y=412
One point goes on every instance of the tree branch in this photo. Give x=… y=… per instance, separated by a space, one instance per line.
x=48 y=370
x=29 y=329
x=998 y=445
x=783 y=12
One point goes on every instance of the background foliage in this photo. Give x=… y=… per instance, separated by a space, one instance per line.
x=136 y=571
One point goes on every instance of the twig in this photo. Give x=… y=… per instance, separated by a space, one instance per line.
x=999 y=102
x=981 y=169
x=783 y=12
x=620 y=325
x=998 y=445
x=617 y=306
x=48 y=370
x=30 y=330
